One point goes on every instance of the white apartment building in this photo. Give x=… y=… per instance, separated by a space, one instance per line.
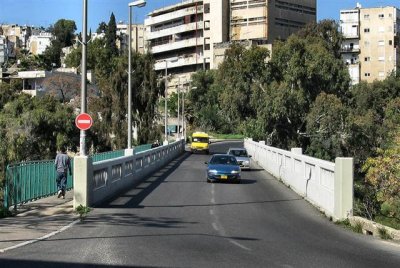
x=39 y=43
x=371 y=46
x=181 y=36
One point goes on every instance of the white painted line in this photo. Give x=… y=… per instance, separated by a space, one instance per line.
x=211 y=212
x=213 y=200
x=215 y=226
x=239 y=245
x=40 y=238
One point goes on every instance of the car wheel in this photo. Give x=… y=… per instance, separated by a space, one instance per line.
x=207 y=152
x=208 y=181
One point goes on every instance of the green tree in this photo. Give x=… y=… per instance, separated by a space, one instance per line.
x=102 y=28
x=111 y=36
x=64 y=35
x=327 y=127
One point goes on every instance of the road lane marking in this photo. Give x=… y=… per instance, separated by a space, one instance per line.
x=239 y=245
x=211 y=212
x=40 y=238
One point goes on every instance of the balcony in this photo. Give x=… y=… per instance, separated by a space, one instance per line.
x=173 y=15
x=175 y=30
x=189 y=59
x=191 y=42
x=348 y=49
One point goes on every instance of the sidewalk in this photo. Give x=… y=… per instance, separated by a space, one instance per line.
x=36 y=220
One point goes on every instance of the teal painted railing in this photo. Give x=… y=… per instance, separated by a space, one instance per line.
x=141 y=148
x=32 y=180
x=107 y=155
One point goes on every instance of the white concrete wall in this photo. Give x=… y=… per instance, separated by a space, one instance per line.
x=97 y=182
x=326 y=185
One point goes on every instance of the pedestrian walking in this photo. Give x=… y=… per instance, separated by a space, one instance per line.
x=62 y=165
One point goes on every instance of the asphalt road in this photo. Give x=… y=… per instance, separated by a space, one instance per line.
x=176 y=219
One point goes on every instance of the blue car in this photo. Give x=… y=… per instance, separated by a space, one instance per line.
x=223 y=167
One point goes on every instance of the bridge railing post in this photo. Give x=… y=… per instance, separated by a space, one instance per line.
x=343 y=188
x=83 y=173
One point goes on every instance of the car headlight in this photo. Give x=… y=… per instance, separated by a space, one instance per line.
x=235 y=172
x=213 y=171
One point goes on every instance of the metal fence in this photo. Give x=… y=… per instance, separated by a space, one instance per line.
x=31 y=180
x=28 y=181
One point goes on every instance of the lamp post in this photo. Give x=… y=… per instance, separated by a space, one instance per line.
x=165 y=99
x=138 y=3
x=178 y=91
x=82 y=138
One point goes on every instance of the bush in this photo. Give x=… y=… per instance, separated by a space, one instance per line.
x=384 y=234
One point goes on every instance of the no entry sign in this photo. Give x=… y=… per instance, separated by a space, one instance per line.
x=83 y=121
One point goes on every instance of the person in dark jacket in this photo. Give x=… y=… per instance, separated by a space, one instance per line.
x=62 y=165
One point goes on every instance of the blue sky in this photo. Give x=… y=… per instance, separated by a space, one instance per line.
x=46 y=12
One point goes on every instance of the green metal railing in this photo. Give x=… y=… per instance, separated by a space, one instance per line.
x=107 y=155
x=32 y=180
x=141 y=148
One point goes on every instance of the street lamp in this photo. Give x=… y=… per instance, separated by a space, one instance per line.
x=178 y=91
x=138 y=3
x=165 y=99
x=82 y=138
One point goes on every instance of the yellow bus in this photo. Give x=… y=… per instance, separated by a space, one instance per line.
x=200 y=142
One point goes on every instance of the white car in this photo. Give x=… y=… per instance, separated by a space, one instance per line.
x=242 y=157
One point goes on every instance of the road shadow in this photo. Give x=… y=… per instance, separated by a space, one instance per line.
x=146 y=186
x=57 y=264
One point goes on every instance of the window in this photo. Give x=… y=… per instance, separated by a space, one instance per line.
x=207 y=25
x=367 y=59
x=367 y=74
x=366 y=16
x=381 y=16
x=381 y=43
x=366 y=30
x=390 y=42
x=206 y=8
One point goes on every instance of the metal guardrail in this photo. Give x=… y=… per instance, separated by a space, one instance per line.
x=28 y=181
x=31 y=180
x=107 y=155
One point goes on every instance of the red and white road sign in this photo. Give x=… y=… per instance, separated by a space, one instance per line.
x=83 y=121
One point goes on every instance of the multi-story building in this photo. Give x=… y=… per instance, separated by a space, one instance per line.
x=350 y=28
x=181 y=36
x=39 y=43
x=17 y=36
x=371 y=46
x=269 y=19
x=3 y=50
x=138 y=32
x=261 y=22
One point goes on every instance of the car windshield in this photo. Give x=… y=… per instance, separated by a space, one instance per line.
x=202 y=140
x=223 y=160
x=239 y=153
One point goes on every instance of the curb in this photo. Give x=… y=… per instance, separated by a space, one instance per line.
x=372 y=228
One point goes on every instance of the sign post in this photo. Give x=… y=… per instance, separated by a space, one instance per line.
x=83 y=121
